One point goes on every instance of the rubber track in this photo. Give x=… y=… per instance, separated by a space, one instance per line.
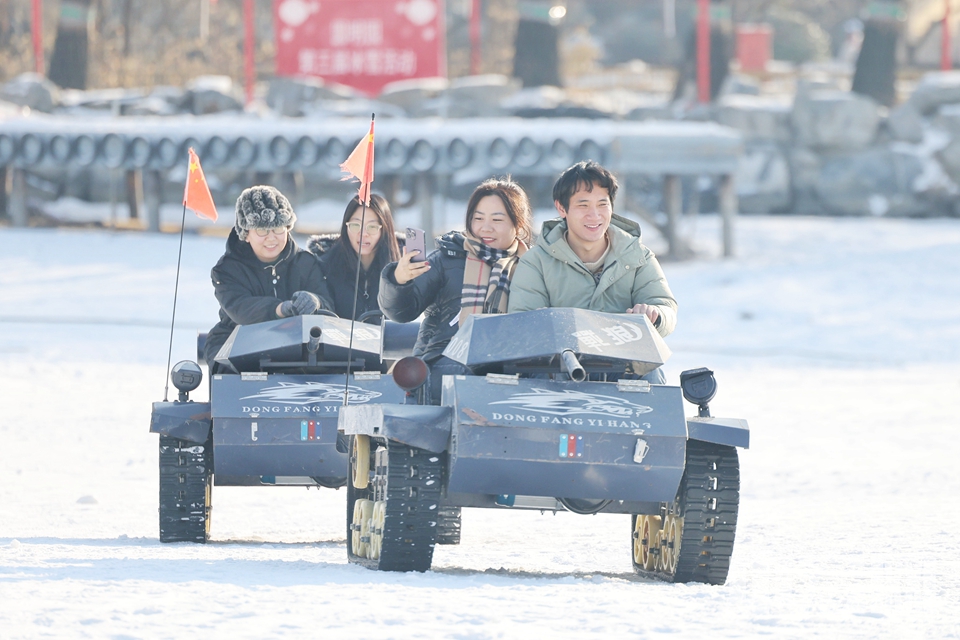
x=410 y=483
x=448 y=525
x=185 y=483
x=708 y=529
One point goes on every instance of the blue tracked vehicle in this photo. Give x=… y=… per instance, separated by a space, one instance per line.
x=272 y=415
x=547 y=421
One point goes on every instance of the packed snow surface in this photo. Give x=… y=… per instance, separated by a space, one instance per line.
x=837 y=339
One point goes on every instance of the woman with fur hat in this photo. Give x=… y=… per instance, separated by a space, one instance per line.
x=470 y=273
x=263 y=275
x=373 y=239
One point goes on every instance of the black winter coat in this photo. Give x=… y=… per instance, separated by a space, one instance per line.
x=436 y=294
x=340 y=269
x=249 y=293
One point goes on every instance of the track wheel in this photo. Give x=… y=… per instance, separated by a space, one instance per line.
x=186 y=485
x=360 y=530
x=360 y=461
x=411 y=480
x=670 y=538
x=646 y=541
x=448 y=525
x=376 y=530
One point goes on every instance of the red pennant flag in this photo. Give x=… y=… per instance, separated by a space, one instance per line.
x=360 y=165
x=196 y=194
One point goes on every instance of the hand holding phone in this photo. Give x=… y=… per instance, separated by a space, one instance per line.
x=416 y=242
x=412 y=264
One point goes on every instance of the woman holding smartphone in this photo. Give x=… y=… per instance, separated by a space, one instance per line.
x=373 y=239
x=469 y=273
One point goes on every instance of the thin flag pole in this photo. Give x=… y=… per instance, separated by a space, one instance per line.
x=196 y=196
x=176 y=288
x=364 y=197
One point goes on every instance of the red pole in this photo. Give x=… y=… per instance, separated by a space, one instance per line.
x=703 y=50
x=475 y=21
x=248 y=45
x=946 y=59
x=38 y=36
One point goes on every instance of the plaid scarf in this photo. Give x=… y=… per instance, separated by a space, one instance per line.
x=486 y=276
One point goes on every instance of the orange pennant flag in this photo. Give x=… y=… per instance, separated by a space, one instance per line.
x=360 y=164
x=196 y=194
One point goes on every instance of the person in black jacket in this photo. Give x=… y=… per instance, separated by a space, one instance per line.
x=469 y=273
x=377 y=243
x=263 y=275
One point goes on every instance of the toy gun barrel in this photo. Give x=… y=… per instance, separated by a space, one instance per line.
x=314 y=343
x=572 y=366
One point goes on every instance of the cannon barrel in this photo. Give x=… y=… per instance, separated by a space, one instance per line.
x=572 y=366
x=314 y=344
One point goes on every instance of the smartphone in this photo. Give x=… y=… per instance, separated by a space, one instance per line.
x=415 y=242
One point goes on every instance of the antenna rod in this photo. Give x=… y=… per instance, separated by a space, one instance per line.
x=176 y=288
x=356 y=281
x=356 y=295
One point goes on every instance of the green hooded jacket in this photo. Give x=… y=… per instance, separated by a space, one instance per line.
x=551 y=275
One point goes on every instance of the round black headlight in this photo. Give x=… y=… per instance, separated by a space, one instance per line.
x=698 y=385
x=186 y=375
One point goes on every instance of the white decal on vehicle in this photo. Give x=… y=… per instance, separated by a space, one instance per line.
x=568 y=402
x=456 y=348
x=253 y=431
x=623 y=333
x=303 y=393
x=359 y=333
x=619 y=334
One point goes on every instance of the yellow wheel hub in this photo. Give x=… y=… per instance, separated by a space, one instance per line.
x=360 y=462
x=376 y=529
x=360 y=531
x=646 y=541
x=670 y=538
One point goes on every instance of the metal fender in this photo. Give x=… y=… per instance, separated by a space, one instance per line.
x=423 y=426
x=182 y=420
x=733 y=432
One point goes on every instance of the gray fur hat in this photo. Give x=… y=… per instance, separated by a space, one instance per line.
x=263 y=207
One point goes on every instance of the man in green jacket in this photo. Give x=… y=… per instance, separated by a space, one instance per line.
x=591 y=258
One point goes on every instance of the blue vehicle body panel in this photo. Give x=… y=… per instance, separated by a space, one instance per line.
x=184 y=420
x=423 y=426
x=573 y=440
x=286 y=425
x=733 y=432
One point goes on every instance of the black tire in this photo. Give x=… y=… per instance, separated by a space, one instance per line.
x=448 y=525
x=407 y=480
x=707 y=504
x=186 y=488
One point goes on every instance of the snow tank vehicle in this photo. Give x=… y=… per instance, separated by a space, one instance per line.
x=546 y=419
x=272 y=415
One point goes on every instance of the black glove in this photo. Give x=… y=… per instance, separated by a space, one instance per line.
x=287 y=309
x=305 y=302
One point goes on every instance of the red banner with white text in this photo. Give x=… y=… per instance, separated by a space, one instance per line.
x=364 y=44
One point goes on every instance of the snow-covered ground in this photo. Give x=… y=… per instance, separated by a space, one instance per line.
x=838 y=339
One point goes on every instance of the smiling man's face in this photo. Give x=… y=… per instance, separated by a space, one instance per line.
x=588 y=216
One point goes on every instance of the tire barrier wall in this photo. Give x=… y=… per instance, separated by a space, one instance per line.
x=466 y=149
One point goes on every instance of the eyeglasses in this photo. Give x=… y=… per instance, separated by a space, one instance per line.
x=278 y=231
x=370 y=227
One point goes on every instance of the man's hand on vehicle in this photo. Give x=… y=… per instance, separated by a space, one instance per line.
x=648 y=310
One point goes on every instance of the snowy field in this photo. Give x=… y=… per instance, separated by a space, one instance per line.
x=838 y=339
